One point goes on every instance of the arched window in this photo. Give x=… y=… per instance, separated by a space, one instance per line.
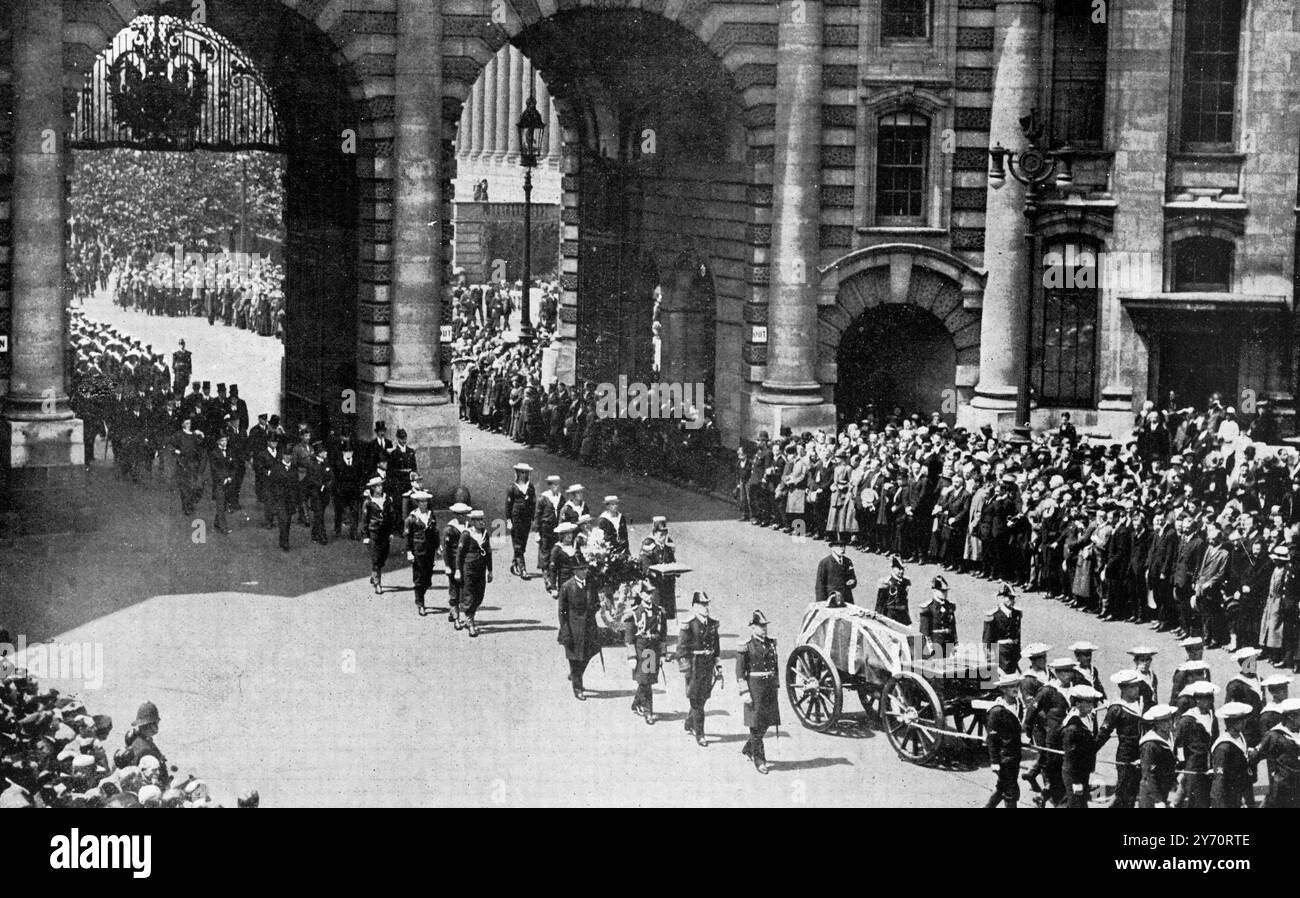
x=904 y=20
x=1212 y=35
x=1064 y=338
x=902 y=157
x=1078 y=75
x=1202 y=265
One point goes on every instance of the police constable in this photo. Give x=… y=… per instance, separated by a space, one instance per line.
x=521 y=505
x=697 y=658
x=473 y=569
x=139 y=740
x=421 y=532
x=938 y=619
x=456 y=527
x=758 y=678
x=1234 y=782
x=645 y=633
x=1123 y=718
x=1003 y=739
x=1079 y=745
x=1156 y=758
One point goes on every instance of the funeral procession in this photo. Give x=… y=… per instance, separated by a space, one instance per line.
x=650 y=403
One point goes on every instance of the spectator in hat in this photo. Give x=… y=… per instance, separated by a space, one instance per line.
x=1279 y=607
x=1212 y=582
x=521 y=506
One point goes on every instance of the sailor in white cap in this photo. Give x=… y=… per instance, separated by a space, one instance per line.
x=1079 y=745
x=1233 y=785
x=1124 y=718
x=521 y=504
x=614 y=526
x=455 y=529
x=1196 y=731
x=1084 y=671
x=545 y=519
x=1245 y=687
x=376 y=518
x=1043 y=723
x=564 y=556
x=1003 y=739
x=1038 y=674
x=1157 y=765
x=421 y=532
x=574 y=505
x=1194 y=646
x=473 y=570
x=1280 y=750
x=1278 y=687
x=1149 y=683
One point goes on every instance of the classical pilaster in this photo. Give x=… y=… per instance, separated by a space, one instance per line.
x=43 y=448
x=1002 y=333
x=414 y=396
x=790 y=389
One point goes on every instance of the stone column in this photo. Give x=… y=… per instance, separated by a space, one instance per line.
x=517 y=90
x=476 y=120
x=43 y=449
x=490 y=109
x=414 y=396
x=554 y=133
x=1002 y=333
x=790 y=389
x=502 y=122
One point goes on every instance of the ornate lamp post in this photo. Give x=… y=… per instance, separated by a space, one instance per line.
x=1033 y=167
x=530 y=127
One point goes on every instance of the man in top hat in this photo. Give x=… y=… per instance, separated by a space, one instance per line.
x=473 y=570
x=835 y=573
x=457 y=524
x=758 y=677
x=1212 y=582
x=401 y=465
x=1194 y=646
x=1079 y=745
x=1194 y=735
x=222 y=468
x=938 y=619
x=577 y=607
x=659 y=548
x=1234 y=781
x=575 y=506
x=319 y=484
x=697 y=658
x=1003 y=740
x=891 y=593
x=1280 y=750
x=281 y=492
x=347 y=470
x=1277 y=686
x=645 y=633
x=521 y=505
x=421 y=531
x=1084 y=672
x=612 y=523
x=187 y=447
x=546 y=517
x=1002 y=629
x=1043 y=721
x=375 y=451
x=1123 y=718
x=1148 y=682
x=1156 y=763
x=140 y=739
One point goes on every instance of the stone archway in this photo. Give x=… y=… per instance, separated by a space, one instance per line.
x=886 y=293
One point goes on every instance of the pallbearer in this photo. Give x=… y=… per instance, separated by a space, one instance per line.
x=545 y=519
x=1079 y=745
x=646 y=636
x=456 y=527
x=376 y=515
x=1196 y=731
x=473 y=569
x=758 y=676
x=1156 y=756
x=697 y=657
x=521 y=503
x=1234 y=782
x=1003 y=740
x=1124 y=719
x=421 y=546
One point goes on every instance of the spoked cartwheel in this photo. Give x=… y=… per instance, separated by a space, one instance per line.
x=912 y=716
x=812 y=685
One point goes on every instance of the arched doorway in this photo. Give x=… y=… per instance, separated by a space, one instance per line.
x=895 y=356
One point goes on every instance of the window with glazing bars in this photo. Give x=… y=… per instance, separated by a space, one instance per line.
x=1212 y=36
x=904 y=20
x=902 y=149
x=1064 y=343
x=1078 y=75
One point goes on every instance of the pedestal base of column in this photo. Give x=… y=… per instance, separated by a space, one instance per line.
x=44 y=478
x=432 y=425
x=994 y=407
x=769 y=415
x=1115 y=415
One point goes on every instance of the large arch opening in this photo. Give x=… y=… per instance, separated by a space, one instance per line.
x=252 y=79
x=652 y=148
x=894 y=360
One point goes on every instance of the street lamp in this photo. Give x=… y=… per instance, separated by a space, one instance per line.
x=1034 y=168
x=531 y=125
